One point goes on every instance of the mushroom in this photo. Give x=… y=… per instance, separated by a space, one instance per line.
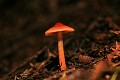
x=60 y=28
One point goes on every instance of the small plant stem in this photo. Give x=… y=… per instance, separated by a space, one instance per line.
x=61 y=52
x=114 y=76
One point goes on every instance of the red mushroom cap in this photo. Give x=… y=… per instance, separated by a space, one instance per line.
x=57 y=28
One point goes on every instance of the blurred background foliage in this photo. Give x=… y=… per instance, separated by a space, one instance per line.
x=23 y=23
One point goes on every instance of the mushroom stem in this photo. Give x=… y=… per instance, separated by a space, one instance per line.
x=61 y=52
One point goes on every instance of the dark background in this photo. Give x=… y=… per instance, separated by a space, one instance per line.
x=23 y=23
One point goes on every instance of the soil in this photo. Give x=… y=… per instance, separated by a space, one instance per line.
x=91 y=51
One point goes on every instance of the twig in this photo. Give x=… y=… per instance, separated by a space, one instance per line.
x=59 y=74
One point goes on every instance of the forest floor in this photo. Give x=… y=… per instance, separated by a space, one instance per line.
x=92 y=51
